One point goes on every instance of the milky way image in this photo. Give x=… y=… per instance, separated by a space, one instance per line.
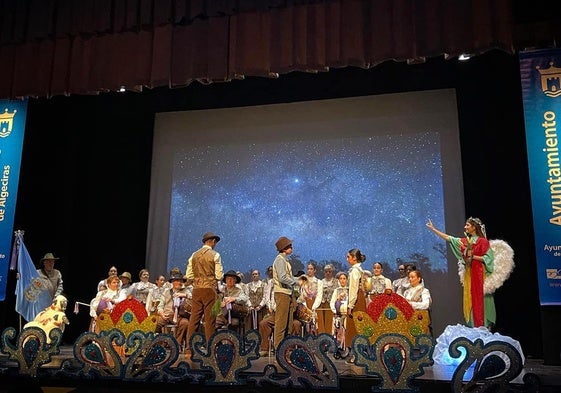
x=372 y=193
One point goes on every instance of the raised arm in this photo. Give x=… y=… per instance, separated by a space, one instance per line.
x=443 y=235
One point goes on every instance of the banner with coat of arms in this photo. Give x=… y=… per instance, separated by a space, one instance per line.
x=12 y=126
x=540 y=73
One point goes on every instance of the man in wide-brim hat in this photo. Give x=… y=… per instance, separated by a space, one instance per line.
x=177 y=277
x=49 y=257
x=204 y=269
x=170 y=311
x=51 y=277
x=231 y=273
x=210 y=235
x=234 y=300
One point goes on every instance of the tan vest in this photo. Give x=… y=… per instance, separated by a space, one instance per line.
x=280 y=287
x=203 y=267
x=169 y=307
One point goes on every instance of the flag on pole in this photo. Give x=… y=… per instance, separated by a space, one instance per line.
x=31 y=294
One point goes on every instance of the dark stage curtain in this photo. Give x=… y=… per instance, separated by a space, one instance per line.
x=63 y=47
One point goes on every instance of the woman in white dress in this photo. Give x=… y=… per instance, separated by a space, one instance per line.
x=156 y=296
x=417 y=295
x=105 y=300
x=325 y=316
x=142 y=288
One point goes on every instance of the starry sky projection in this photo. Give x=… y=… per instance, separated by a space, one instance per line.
x=374 y=193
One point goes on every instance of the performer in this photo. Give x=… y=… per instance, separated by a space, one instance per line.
x=325 y=316
x=175 y=309
x=357 y=297
x=51 y=277
x=204 y=269
x=105 y=301
x=255 y=291
x=474 y=252
x=284 y=284
x=142 y=288
x=311 y=293
x=102 y=284
x=235 y=302
x=379 y=283
x=417 y=295
x=338 y=306
x=156 y=295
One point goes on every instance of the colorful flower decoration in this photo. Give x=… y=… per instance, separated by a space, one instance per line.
x=392 y=313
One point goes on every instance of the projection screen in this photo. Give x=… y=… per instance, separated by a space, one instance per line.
x=362 y=172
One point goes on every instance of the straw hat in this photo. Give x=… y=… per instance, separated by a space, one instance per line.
x=49 y=257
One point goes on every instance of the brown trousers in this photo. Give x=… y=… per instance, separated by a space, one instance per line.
x=284 y=313
x=266 y=326
x=179 y=330
x=203 y=300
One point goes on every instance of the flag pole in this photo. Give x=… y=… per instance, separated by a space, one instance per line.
x=14 y=265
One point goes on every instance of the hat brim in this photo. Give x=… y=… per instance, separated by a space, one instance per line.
x=211 y=237
x=178 y=278
x=238 y=279
x=283 y=245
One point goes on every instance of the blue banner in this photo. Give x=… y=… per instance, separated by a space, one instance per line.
x=12 y=127
x=540 y=73
x=32 y=296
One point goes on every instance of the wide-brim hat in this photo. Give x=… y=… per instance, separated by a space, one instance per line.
x=283 y=243
x=210 y=235
x=125 y=274
x=231 y=273
x=49 y=257
x=177 y=277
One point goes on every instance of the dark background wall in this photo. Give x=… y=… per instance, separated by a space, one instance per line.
x=85 y=176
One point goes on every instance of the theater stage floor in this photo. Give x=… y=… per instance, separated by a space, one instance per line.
x=535 y=377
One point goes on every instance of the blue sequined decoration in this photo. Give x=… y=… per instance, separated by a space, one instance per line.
x=390 y=313
x=93 y=353
x=128 y=317
x=30 y=351
x=156 y=355
x=225 y=356
x=302 y=359
x=394 y=362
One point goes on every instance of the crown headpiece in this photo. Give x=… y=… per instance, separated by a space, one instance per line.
x=477 y=222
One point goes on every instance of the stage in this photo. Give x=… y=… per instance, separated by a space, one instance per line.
x=127 y=355
x=263 y=373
